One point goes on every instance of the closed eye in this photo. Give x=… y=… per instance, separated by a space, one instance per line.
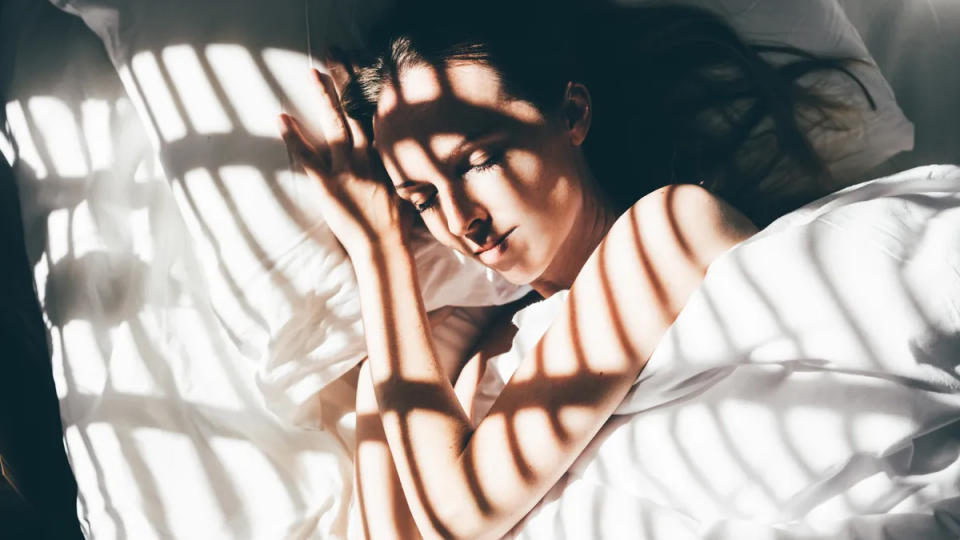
x=484 y=165
x=426 y=204
x=430 y=201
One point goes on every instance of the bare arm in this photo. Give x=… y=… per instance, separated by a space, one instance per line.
x=468 y=482
x=383 y=506
x=475 y=482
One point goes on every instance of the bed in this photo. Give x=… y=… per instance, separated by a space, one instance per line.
x=192 y=407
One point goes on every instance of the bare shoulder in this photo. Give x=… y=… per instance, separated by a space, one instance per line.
x=683 y=222
x=657 y=252
x=620 y=305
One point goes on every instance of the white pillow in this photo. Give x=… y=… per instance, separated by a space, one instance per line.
x=821 y=27
x=916 y=45
x=209 y=79
x=164 y=426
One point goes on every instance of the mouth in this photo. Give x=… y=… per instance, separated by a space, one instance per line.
x=491 y=253
x=494 y=244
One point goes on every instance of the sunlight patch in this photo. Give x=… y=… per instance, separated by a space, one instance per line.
x=249 y=94
x=21 y=133
x=196 y=93
x=292 y=71
x=95 y=114
x=58 y=126
x=158 y=96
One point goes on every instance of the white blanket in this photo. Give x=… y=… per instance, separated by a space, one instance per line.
x=809 y=389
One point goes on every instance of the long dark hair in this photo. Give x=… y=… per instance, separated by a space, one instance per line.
x=678 y=96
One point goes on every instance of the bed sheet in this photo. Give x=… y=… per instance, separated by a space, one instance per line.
x=165 y=428
x=809 y=389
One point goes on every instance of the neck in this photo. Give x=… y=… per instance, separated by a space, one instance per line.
x=591 y=226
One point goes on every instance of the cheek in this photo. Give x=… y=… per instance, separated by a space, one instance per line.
x=547 y=199
x=543 y=180
x=550 y=205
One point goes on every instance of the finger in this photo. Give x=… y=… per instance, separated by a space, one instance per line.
x=333 y=123
x=357 y=134
x=341 y=70
x=339 y=67
x=299 y=146
x=293 y=136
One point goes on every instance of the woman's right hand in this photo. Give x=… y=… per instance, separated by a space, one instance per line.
x=358 y=202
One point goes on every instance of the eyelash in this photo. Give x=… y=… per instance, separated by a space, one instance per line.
x=431 y=201
x=486 y=165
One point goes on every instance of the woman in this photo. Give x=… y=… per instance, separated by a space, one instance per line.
x=523 y=146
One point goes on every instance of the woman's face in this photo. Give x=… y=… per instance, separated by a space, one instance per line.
x=492 y=176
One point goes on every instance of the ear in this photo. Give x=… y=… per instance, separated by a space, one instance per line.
x=577 y=112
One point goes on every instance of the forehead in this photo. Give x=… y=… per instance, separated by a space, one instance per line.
x=439 y=106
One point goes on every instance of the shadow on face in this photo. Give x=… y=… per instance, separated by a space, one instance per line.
x=492 y=176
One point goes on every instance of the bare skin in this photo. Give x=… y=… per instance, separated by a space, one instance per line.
x=628 y=278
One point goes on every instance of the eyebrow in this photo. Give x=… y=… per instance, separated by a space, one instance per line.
x=481 y=132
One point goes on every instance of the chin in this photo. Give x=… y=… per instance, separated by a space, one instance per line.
x=522 y=274
x=515 y=275
x=518 y=279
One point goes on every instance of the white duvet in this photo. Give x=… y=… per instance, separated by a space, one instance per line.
x=809 y=389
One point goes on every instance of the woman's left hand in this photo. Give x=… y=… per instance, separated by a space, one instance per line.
x=358 y=203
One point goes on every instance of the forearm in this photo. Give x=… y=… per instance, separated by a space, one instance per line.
x=382 y=503
x=425 y=440
x=383 y=506
x=462 y=482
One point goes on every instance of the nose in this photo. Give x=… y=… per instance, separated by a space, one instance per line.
x=465 y=218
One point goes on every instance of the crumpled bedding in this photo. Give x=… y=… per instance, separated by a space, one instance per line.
x=165 y=422
x=809 y=389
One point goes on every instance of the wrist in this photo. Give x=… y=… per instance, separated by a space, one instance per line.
x=375 y=244
x=372 y=257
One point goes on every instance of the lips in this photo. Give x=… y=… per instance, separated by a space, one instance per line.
x=490 y=254
x=493 y=244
